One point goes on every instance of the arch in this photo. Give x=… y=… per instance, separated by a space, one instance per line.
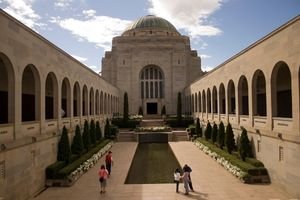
x=281 y=90
x=196 y=102
x=231 y=97
x=243 y=97
x=204 y=103
x=192 y=103
x=101 y=103
x=259 y=94
x=92 y=102
x=152 y=82
x=76 y=100
x=97 y=103
x=215 y=100
x=105 y=103
x=108 y=103
x=7 y=90
x=208 y=101
x=31 y=85
x=222 y=99
x=85 y=101
x=51 y=97
x=66 y=97
x=199 y=101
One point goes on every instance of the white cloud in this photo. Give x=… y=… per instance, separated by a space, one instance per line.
x=207 y=68
x=190 y=16
x=203 y=56
x=63 y=3
x=89 y=13
x=22 y=10
x=99 y=29
x=81 y=59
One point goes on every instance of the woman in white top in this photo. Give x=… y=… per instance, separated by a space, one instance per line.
x=177 y=178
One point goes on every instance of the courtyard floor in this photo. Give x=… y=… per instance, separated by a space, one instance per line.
x=210 y=181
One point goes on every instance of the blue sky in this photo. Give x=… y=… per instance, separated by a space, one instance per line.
x=218 y=28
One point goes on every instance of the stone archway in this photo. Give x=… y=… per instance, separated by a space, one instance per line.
x=76 y=100
x=51 y=90
x=222 y=99
x=66 y=98
x=231 y=98
x=259 y=94
x=243 y=96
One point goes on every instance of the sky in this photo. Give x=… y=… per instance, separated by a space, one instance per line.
x=218 y=29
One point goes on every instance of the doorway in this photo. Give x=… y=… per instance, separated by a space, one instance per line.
x=151 y=108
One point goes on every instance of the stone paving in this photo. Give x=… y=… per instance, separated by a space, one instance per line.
x=210 y=180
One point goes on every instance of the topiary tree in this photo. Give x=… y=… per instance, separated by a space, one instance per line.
x=93 y=132
x=208 y=131
x=98 y=131
x=86 y=136
x=229 y=139
x=244 y=147
x=198 y=128
x=64 y=151
x=107 y=129
x=163 y=110
x=214 y=133
x=77 y=144
x=179 y=113
x=141 y=110
x=126 y=109
x=221 y=135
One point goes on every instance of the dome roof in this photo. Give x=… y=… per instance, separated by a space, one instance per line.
x=151 y=21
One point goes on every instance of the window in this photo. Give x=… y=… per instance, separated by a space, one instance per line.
x=2 y=170
x=281 y=153
x=151 y=82
x=258 y=145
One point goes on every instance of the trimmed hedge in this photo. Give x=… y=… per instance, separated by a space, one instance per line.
x=185 y=122
x=131 y=123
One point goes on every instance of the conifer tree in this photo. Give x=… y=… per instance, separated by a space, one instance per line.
x=198 y=128
x=244 y=147
x=92 y=132
x=179 y=113
x=98 y=131
x=86 y=136
x=64 y=151
x=77 y=145
x=126 y=109
x=229 y=139
x=107 y=129
x=163 y=110
x=208 y=131
x=221 y=135
x=141 y=110
x=214 y=133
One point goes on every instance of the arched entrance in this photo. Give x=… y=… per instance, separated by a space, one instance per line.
x=259 y=94
x=152 y=89
x=51 y=97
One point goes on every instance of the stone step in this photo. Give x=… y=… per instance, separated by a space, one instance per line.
x=126 y=136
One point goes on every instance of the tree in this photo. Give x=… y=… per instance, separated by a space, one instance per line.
x=98 y=131
x=244 y=147
x=214 y=133
x=93 y=132
x=77 y=145
x=107 y=129
x=163 y=110
x=86 y=136
x=179 y=114
x=64 y=151
x=141 y=110
x=221 y=135
x=208 y=131
x=229 y=138
x=125 y=112
x=198 y=128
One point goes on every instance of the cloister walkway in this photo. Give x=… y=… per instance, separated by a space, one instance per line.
x=210 y=180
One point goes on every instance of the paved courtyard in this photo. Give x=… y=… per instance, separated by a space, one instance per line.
x=210 y=180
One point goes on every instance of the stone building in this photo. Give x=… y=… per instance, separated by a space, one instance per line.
x=151 y=61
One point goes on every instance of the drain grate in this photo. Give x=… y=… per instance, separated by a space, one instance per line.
x=2 y=170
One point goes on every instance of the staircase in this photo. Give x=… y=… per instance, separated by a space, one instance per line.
x=126 y=136
x=180 y=135
x=152 y=122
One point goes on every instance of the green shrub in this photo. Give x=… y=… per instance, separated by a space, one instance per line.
x=86 y=136
x=98 y=131
x=192 y=130
x=185 y=122
x=131 y=123
x=163 y=110
x=113 y=131
x=77 y=144
x=93 y=132
x=107 y=129
x=254 y=162
x=126 y=108
x=229 y=139
x=214 y=133
x=198 y=128
x=52 y=170
x=208 y=131
x=221 y=135
x=245 y=147
x=179 y=112
x=141 y=111
x=64 y=151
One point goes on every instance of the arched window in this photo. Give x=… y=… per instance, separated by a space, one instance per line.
x=243 y=96
x=208 y=101
x=196 y=102
x=215 y=100
x=259 y=94
x=281 y=91
x=97 y=103
x=222 y=100
x=92 y=102
x=151 y=82
x=101 y=103
x=85 y=101
x=7 y=85
x=192 y=103
x=66 y=98
x=30 y=94
x=231 y=97
x=76 y=100
x=51 y=91
x=204 y=103
x=105 y=104
x=199 y=102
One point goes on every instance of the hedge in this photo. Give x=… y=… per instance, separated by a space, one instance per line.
x=131 y=123
x=185 y=122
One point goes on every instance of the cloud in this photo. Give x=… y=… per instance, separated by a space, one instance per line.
x=62 y=3
x=81 y=59
x=207 y=68
x=89 y=13
x=98 y=29
x=191 y=16
x=203 y=56
x=22 y=10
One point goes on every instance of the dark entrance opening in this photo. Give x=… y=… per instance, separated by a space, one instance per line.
x=151 y=108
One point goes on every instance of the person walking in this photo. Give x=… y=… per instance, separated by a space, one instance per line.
x=103 y=175
x=109 y=161
x=177 y=178
x=189 y=169
x=186 y=179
